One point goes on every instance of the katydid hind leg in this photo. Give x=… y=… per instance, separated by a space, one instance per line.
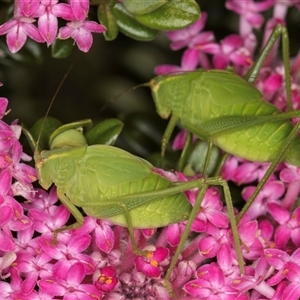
x=135 y=248
x=203 y=186
x=184 y=237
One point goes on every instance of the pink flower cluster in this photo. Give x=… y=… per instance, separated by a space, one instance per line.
x=47 y=12
x=97 y=261
x=270 y=230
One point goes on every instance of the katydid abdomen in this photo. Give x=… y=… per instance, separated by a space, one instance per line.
x=207 y=103
x=157 y=212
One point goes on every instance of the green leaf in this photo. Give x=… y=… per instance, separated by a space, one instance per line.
x=142 y=133
x=130 y=27
x=62 y=48
x=105 y=132
x=196 y=159
x=171 y=16
x=135 y=7
x=107 y=19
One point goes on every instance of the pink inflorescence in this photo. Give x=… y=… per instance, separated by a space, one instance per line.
x=47 y=12
x=269 y=231
x=97 y=261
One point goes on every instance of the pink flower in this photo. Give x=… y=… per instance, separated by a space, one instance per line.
x=69 y=249
x=3 y=106
x=249 y=12
x=286 y=265
x=80 y=9
x=46 y=216
x=173 y=233
x=66 y=281
x=106 y=279
x=242 y=171
x=150 y=264
x=18 y=288
x=210 y=212
x=232 y=50
x=212 y=284
x=47 y=12
x=189 y=62
x=184 y=37
x=29 y=7
x=289 y=225
x=180 y=139
x=81 y=32
x=255 y=281
x=192 y=38
x=48 y=22
x=17 y=31
x=271 y=192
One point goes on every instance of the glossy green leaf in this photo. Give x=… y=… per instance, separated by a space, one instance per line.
x=105 y=132
x=135 y=7
x=171 y=16
x=196 y=159
x=142 y=133
x=130 y=27
x=62 y=48
x=107 y=19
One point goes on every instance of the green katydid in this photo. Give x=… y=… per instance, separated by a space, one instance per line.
x=228 y=111
x=110 y=183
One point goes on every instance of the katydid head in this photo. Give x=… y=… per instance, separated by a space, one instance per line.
x=169 y=91
x=66 y=136
x=41 y=167
x=47 y=162
x=68 y=139
x=159 y=90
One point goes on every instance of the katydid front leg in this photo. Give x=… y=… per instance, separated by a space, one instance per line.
x=73 y=210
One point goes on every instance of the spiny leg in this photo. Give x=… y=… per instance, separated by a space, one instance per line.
x=135 y=248
x=203 y=185
x=73 y=210
x=185 y=234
